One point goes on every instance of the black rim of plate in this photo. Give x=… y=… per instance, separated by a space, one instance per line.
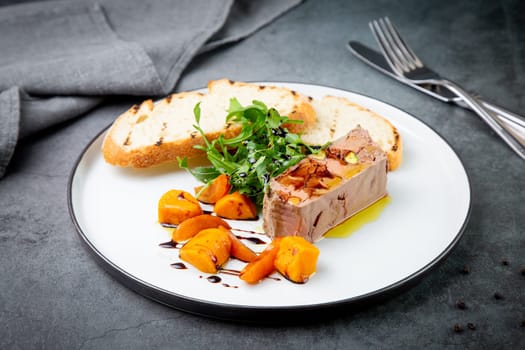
x=265 y=315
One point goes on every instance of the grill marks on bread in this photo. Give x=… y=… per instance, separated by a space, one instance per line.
x=143 y=111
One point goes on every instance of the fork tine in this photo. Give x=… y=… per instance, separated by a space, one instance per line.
x=394 y=43
x=386 y=49
x=402 y=45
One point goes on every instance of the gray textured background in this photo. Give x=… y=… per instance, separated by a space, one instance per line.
x=54 y=295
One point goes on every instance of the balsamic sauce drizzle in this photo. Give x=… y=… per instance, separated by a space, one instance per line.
x=170 y=245
x=214 y=278
x=217 y=279
x=179 y=266
x=167 y=225
x=230 y=272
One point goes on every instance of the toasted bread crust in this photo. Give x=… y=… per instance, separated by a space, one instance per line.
x=395 y=153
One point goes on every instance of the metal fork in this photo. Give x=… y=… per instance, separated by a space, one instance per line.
x=406 y=64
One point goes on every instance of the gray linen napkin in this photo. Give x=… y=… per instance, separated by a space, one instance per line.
x=59 y=59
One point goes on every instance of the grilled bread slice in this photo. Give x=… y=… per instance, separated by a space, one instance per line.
x=154 y=133
x=337 y=115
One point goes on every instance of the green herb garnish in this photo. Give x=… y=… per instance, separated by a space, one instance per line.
x=262 y=150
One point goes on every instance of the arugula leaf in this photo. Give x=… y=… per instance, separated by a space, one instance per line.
x=203 y=174
x=263 y=149
x=197 y=112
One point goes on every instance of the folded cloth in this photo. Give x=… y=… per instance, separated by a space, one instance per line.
x=61 y=58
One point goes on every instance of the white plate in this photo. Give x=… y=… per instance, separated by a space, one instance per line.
x=114 y=210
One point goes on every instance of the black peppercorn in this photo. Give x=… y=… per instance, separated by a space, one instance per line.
x=471 y=326
x=458 y=328
x=505 y=262
x=498 y=296
x=460 y=304
x=465 y=270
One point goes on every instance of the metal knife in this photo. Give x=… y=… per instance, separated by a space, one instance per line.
x=377 y=61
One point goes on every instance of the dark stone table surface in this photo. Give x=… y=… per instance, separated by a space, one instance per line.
x=54 y=295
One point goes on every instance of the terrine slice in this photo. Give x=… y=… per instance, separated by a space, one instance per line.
x=323 y=190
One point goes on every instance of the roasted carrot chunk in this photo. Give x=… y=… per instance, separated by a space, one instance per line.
x=240 y=251
x=190 y=227
x=235 y=206
x=200 y=257
x=208 y=250
x=215 y=190
x=262 y=266
x=296 y=259
x=175 y=206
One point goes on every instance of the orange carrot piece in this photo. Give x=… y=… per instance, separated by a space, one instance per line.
x=296 y=259
x=262 y=266
x=208 y=250
x=215 y=190
x=199 y=257
x=235 y=206
x=190 y=227
x=175 y=206
x=240 y=251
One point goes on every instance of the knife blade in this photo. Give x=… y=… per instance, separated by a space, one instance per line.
x=376 y=60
